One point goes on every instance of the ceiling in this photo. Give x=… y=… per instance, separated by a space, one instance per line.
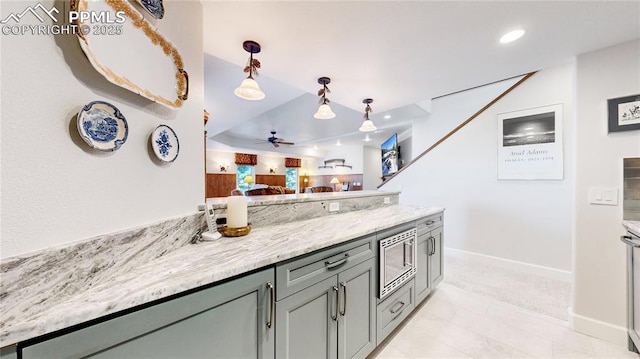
x=399 y=53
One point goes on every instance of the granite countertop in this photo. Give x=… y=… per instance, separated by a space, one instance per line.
x=632 y=226
x=192 y=266
x=221 y=202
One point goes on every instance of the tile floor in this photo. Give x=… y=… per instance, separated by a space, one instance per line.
x=456 y=322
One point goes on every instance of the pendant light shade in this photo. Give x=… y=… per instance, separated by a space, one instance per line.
x=367 y=124
x=324 y=111
x=249 y=89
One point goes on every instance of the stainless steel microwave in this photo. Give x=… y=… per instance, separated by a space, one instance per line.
x=398 y=255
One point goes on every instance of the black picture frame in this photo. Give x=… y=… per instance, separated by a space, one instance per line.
x=616 y=119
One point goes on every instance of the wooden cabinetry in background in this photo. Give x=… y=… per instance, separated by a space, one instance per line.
x=220 y=184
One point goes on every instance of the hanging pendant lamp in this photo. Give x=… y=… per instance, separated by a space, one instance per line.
x=367 y=124
x=249 y=89
x=324 y=111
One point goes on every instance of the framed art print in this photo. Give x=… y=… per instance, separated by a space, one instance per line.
x=530 y=144
x=624 y=113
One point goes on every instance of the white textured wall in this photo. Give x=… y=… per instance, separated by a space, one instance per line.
x=55 y=189
x=599 y=302
x=372 y=168
x=525 y=221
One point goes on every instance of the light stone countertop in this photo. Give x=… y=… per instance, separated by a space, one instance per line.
x=632 y=226
x=192 y=266
x=221 y=202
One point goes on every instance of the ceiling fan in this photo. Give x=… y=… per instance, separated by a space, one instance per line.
x=276 y=142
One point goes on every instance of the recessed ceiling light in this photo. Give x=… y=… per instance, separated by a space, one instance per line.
x=338 y=143
x=366 y=138
x=386 y=117
x=511 y=36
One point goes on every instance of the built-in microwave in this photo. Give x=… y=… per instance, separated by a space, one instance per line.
x=398 y=255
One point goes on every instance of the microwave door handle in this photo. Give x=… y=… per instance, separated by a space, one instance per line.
x=404 y=254
x=630 y=241
x=408 y=247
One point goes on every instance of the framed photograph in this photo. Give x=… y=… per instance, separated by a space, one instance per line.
x=530 y=144
x=624 y=113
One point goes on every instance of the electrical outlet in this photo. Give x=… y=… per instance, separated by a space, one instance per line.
x=334 y=206
x=387 y=200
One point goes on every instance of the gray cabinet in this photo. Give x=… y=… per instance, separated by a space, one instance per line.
x=430 y=270
x=436 y=263
x=334 y=315
x=394 y=309
x=423 y=285
x=230 y=320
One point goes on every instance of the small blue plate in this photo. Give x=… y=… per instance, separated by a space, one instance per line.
x=102 y=126
x=153 y=7
x=165 y=143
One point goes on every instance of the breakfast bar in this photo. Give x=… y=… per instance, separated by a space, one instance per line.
x=49 y=294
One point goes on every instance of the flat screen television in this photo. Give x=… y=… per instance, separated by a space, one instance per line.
x=390 y=156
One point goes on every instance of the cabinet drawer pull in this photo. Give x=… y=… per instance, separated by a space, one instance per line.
x=343 y=311
x=430 y=222
x=398 y=309
x=339 y=262
x=271 y=304
x=334 y=314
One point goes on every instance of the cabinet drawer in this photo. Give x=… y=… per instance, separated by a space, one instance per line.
x=297 y=274
x=426 y=224
x=393 y=310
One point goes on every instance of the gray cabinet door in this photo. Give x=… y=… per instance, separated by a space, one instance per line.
x=225 y=321
x=436 y=269
x=422 y=281
x=306 y=327
x=357 y=311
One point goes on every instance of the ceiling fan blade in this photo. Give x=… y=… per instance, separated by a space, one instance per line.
x=286 y=143
x=275 y=144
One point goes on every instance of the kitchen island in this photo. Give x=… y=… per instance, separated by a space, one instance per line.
x=61 y=288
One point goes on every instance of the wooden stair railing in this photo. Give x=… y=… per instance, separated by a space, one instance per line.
x=460 y=126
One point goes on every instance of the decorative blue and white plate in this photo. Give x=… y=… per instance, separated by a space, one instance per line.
x=154 y=7
x=165 y=143
x=102 y=126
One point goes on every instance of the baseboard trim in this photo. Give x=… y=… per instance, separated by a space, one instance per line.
x=596 y=328
x=542 y=271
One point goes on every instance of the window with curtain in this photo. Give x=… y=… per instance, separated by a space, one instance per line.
x=292 y=165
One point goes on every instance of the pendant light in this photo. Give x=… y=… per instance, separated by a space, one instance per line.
x=249 y=89
x=367 y=124
x=324 y=111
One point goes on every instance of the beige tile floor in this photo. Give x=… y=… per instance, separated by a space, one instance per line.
x=458 y=323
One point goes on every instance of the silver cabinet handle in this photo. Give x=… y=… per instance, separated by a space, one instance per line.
x=430 y=222
x=334 y=315
x=630 y=241
x=271 y=304
x=432 y=251
x=398 y=309
x=343 y=311
x=341 y=261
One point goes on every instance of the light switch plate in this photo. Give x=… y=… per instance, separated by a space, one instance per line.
x=603 y=195
x=334 y=206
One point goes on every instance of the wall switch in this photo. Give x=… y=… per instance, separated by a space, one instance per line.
x=603 y=195
x=387 y=200
x=334 y=206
